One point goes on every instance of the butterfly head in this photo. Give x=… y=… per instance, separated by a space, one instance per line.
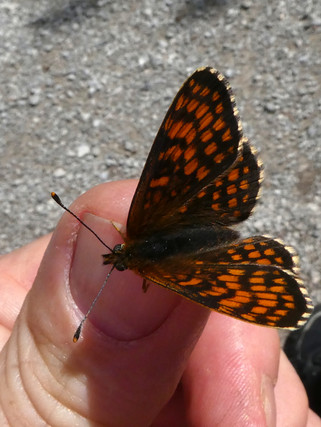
x=118 y=257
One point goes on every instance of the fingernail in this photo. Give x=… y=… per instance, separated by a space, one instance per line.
x=268 y=400
x=123 y=310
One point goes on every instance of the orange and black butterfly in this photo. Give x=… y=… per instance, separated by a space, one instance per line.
x=202 y=177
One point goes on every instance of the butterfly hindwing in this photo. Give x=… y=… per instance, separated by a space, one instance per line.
x=261 y=287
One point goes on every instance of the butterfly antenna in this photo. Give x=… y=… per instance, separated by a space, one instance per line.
x=59 y=202
x=78 y=331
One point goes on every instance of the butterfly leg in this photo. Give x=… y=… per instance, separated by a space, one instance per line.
x=145 y=286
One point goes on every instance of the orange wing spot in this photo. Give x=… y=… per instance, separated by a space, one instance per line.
x=218 y=183
x=201 y=194
x=199 y=262
x=248 y=317
x=184 y=130
x=191 y=282
x=260 y=273
x=249 y=240
x=228 y=278
x=210 y=149
x=205 y=91
x=289 y=305
x=182 y=209
x=219 y=124
x=205 y=121
x=219 y=158
x=267 y=303
x=237 y=257
x=263 y=261
x=216 y=195
x=220 y=290
x=281 y=313
x=173 y=193
x=191 y=167
x=256 y=279
x=168 y=123
x=236 y=271
x=219 y=108
x=192 y=105
x=259 y=310
x=180 y=102
x=244 y=294
x=157 y=195
x=215 y=206
x=196 y=88
x=161 y=155
x=269 y=252
x=254 y=254
x=160 y=182
x=245 y=198
x=273 y=318
x=177 y=154
x=258 y=288
x=279 y=281
x=191 y=82
x=231 y=303
x=233 y=175
x=246 y=170
x=169 y=152
x=231 y=189
x=147 y=205
x=236 y=213
x=206 y=136
x=202 y=173
x=233 y=285
x=249 y=247
x=190 y=136
x=279 y=260
x=278 y=289
x=244 y=185
x=189 y=153
x=215 y=96
x=266 y=295
x=242 y=299
x=227 y=135
x=231 y=251
x=232 y=203
x=176 y=126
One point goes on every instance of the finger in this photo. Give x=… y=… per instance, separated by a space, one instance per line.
x=231 y=374
x=134 y=346
x=17 y=273
x=291 y=399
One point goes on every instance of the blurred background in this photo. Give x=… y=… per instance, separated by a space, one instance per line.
x=85 y=85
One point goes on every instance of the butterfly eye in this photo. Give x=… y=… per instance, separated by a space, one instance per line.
x=118 y=248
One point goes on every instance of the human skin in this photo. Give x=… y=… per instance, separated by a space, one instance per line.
x=143 y=358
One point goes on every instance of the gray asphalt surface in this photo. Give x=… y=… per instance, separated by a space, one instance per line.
x=85 y=85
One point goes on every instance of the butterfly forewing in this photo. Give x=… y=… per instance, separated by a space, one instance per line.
x=199 y=139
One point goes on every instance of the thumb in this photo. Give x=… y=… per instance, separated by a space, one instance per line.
x=134 y=347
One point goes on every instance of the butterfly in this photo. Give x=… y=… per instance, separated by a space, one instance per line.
x=201 y=178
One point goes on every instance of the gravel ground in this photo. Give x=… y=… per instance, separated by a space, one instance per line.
x=85 y=85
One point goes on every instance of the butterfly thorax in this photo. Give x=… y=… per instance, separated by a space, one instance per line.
x=189 y=240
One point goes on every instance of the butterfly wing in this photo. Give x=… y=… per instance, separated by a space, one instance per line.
x=255 y=280
x=199 y=140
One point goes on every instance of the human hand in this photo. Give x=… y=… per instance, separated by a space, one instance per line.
x=142 y=359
